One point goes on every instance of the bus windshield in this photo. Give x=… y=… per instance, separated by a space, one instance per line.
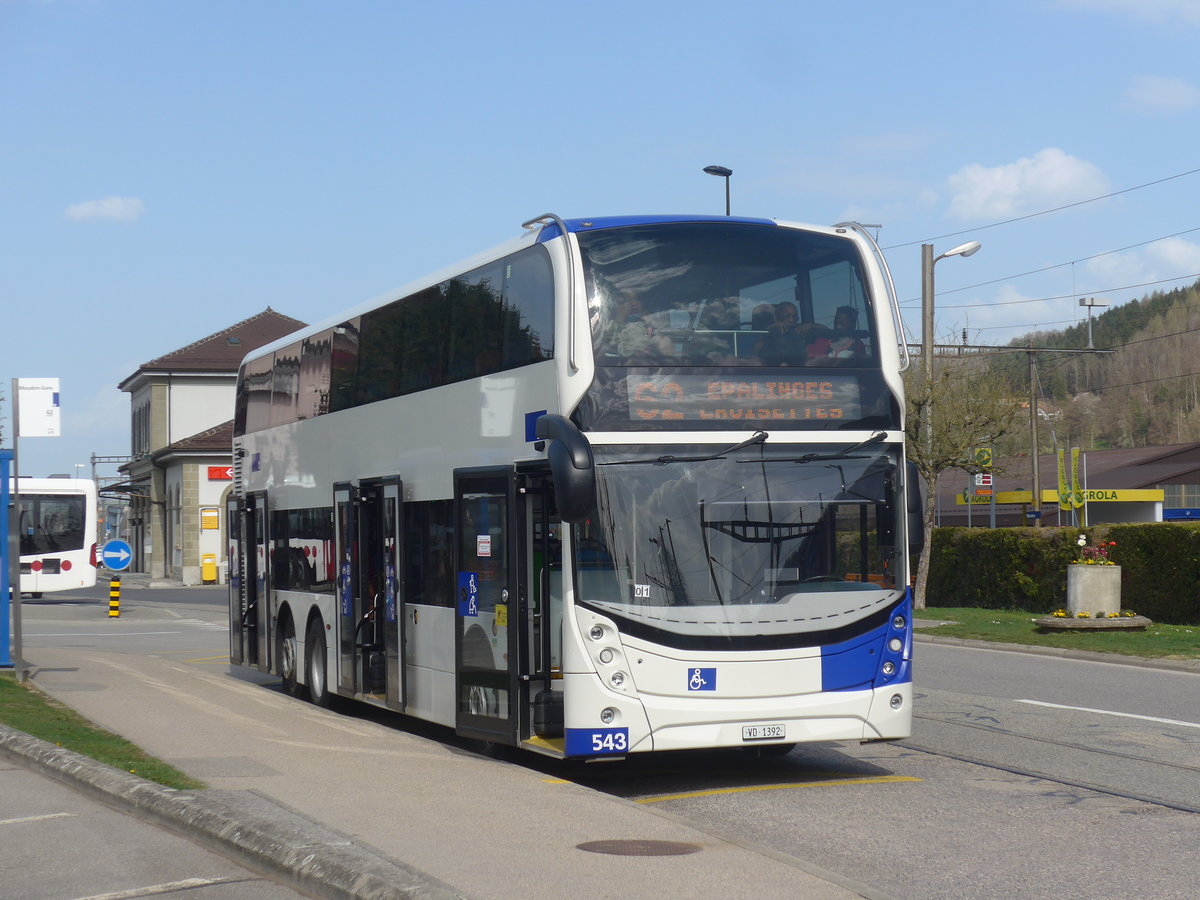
x=715 y=294
x=754 y=547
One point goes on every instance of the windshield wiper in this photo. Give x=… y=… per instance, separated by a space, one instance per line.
x=877 y=438
x=757 y=438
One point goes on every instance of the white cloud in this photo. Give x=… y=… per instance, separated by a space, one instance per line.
x=1186 y=11
x=1113 y=271
x=1154 y=95
x=1182 y=257
x=1048 y=178
x=1167 y=259
x=1009 y=313
x=119 y=209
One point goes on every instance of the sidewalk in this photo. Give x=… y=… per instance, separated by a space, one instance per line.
x=346 y=807
x=140 y=580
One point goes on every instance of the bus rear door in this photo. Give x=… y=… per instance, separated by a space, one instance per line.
x=248 y=636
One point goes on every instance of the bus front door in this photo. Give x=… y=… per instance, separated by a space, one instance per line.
x=541 y=619
x=371 y=653
x=486 y=603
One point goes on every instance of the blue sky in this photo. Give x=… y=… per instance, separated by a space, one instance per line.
x=170 y=167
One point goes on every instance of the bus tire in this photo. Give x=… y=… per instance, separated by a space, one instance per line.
x=286 y=653
x=315 y=666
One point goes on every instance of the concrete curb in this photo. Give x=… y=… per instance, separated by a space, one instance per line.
x=1178 y=665
x=241 y=824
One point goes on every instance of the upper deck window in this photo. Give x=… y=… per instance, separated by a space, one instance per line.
x=488 y=320
x=714 y=294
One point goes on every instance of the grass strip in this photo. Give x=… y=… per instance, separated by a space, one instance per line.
x=1016 y=627
x=27 y=709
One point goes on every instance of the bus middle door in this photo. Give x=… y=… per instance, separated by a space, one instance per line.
x=486 y=605
x=368 y=521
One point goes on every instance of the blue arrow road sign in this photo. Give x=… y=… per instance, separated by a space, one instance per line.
x=116 y=555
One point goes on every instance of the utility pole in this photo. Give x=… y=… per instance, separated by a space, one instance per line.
x=1036 y=507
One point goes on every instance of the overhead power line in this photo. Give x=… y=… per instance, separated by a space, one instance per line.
x=1063 y=265
x=1109 y=387
x=1127 y=287
x=1044 y=212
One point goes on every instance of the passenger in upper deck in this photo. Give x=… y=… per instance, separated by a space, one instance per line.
x=787 y=339
x=635 y=338
x=840 y=343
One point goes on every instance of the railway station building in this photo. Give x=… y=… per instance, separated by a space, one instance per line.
x=181 y=437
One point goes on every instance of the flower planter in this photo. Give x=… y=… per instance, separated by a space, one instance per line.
x=1093 y=589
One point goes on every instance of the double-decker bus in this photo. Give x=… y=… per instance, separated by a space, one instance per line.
x=619 y=485
x=57 y=528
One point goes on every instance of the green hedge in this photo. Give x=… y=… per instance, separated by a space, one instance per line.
x=1026 y=568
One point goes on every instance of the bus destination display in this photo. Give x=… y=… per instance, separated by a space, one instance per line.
x=705 y=398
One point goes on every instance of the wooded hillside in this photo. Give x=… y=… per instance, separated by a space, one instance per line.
x=1146 y=392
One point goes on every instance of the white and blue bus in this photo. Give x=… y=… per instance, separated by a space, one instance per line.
x=620 y=485
x=57 y=528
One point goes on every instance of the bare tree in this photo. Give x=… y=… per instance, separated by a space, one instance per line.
x=969 y=407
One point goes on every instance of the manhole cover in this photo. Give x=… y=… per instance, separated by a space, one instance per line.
x=640 y=848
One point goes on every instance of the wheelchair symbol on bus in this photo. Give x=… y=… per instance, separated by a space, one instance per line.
x=702 y=680
x=468 y=594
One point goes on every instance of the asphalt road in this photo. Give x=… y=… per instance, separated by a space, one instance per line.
x=57 y=844
x=1026 y=776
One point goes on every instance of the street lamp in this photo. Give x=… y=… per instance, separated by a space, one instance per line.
x=721 y=172
x=928 y=261
x=1090 y=303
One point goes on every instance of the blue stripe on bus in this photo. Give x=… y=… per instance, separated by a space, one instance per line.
x=857 y=664
x=550 y=231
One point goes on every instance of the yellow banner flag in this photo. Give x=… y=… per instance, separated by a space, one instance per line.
x=1076 y=489
x=1064 y=489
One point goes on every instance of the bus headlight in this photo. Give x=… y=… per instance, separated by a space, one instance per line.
x=895 y=645
x=597 y=633
x=897 y=701
x=617 y=679
x=606 y=656
x=889 y=668
x=898 y=623
x=608 y=715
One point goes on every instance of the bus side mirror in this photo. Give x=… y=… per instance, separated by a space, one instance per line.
x=915 y=504
x=571 y=466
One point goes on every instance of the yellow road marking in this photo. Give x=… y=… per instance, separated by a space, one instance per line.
x=883 y=779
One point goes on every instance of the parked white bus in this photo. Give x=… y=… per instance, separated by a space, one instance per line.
x=619 y=485
x=57 y=528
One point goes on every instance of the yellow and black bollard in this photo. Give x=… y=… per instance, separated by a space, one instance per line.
x=114 y=597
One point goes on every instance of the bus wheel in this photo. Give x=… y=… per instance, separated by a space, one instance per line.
x=286 y=654
x=318 y=686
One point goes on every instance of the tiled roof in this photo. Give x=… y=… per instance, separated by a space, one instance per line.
x=218 y=439
x=224 y=351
